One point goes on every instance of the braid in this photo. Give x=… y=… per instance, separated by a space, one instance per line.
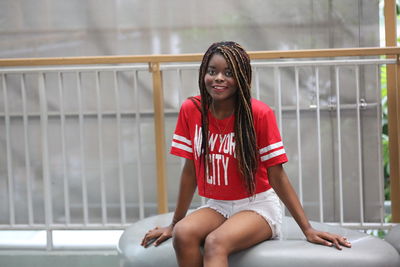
x=245 y=137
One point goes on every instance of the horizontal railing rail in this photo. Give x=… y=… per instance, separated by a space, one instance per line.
x=254 y=55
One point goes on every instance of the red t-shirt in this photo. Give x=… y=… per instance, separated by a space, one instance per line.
x=223 y=180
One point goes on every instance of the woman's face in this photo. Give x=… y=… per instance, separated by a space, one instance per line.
x=219 y=80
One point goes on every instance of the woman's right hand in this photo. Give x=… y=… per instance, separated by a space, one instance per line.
x=157 y=235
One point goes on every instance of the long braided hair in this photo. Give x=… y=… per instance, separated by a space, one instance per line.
x=245 y=138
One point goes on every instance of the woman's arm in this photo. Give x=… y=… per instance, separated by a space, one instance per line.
x=282 y=186
x=187 y=188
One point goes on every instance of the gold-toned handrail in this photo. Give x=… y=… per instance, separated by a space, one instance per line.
x=310 y=53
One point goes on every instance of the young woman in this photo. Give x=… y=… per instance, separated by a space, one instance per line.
x=234 y=156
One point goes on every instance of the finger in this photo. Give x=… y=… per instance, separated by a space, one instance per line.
x=322 y=241
x=161 y=239
x=146 y=236
x=149 y=238
x=343 y=241
x=149 y=241
x=336 y=243
x=145 y=240
x=335 y=239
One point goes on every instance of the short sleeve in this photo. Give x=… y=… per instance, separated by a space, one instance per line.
x=271 y=149
x=181 y=142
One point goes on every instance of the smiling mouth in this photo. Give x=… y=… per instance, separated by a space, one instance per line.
x=219 y=88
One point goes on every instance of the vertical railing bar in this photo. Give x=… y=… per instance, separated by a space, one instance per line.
x=278 y=97
x=180 y=86
x=101 y=155
x=45 y=158
x=27 y=152
x=319 y=147
x=139 y=146
x=359 y=150
x=159 y=134
x=82 y=150
x=257 y=82
x=121 y=179
x=393 y=106
x=49 y=240
x=339 y=136
x=379 y=141
x=299 y=165
x=10 y=173
x=278 y=111
x=180 y=99
x=60 y=79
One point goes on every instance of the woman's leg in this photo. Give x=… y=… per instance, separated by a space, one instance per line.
x=189 y=235
x=243 y=230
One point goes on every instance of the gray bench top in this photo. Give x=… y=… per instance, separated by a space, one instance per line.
x=292 y=250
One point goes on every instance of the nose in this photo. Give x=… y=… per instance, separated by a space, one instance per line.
x=219 y=77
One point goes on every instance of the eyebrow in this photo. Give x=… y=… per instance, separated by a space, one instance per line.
x=213 y=67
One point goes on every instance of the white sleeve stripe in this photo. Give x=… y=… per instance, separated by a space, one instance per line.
x=270 y=147
x=182 y=139
x=273 y=154
x=182 y=146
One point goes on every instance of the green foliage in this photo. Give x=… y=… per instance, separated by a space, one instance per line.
x=381 y=233
x=388 y=218
x=385 y=136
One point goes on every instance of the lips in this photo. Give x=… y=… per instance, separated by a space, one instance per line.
x=219 y=88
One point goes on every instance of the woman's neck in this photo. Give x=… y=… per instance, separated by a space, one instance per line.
x=222 y=110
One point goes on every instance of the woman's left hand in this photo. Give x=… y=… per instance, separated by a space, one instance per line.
x=327 y=239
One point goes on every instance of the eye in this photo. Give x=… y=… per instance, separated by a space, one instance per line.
x=228 y=73
x=211 y=71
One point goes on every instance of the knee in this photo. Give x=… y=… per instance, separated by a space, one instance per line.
x=214 y=246
x=183 y=235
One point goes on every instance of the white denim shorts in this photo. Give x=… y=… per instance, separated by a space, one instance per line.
x=266 y=204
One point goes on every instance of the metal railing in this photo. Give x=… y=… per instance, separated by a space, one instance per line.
x=99 y=202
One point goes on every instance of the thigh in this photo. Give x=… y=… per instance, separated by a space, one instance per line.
x=243 y=230
x=199 y=223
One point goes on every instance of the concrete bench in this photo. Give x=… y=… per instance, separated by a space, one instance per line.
x=292 y=250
